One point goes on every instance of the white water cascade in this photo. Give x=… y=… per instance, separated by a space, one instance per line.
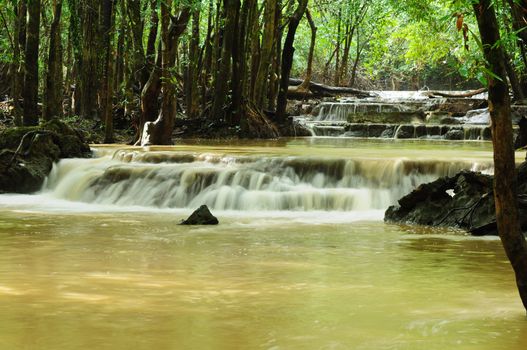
x=244 y=183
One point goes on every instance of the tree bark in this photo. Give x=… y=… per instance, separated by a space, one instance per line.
x=287 y=60
x=262 y=77
x=160 y=131
x=304 y=87
x=505 y=177
x=54 y=92
x=221 y=84
x=89 y=69
x=17 y=82
x=107 y=86
x=31 y=64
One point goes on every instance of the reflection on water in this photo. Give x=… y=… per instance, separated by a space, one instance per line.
x=115 y=281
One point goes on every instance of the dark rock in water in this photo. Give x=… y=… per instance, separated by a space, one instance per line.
x=405 y=132
x=28 y=153
x=450 y=121
x=455 y=134
x=463 y=201
x=202 y=216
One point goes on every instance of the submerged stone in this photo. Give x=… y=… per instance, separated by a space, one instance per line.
x=202 y=216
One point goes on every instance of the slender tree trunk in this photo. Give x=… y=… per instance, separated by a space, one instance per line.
x=304 y=87
x=89 y=69
x=239 y=64
x=287 y=60
x=255 y=49
x=221 y=84
x=54 y=93
x=18 y=68
x=274 y=76
x=262 y=77
x=336 y=80
x=31 y=64
x=193 y=68
x=505 y=177
x=107 y=86
x=136 y=28
x=152 y=35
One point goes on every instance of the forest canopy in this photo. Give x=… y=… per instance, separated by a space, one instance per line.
x=228 y=62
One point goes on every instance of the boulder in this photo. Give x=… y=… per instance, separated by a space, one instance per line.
x=202 y=216
x=27 y=154
x=463 y=201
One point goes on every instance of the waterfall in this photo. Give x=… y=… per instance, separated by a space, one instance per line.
x=244 y=183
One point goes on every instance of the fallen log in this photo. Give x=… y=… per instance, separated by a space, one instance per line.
x=321 y=90
x=433 y=94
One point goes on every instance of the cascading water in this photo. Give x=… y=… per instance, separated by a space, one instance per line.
x=244 y=183
x=401 y=115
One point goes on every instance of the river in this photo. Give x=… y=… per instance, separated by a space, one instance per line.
x=301 y=258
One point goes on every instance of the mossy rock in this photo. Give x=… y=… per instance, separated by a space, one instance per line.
x=27 y=154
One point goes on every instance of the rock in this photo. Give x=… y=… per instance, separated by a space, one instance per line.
x=202 y=216
x=455 y=134
x=405 y=132
x=28 y=153
x=463 y=201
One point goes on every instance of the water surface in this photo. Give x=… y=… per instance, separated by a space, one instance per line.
x=86 y=275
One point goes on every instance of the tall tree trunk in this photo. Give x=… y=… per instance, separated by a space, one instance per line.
x=107 y=86
x=262 y=77
x=336 y=80
x=505 y=177
x=31 y=64
x=239 y=64
x=54 y=93
x=152 y=35
x=221 y=83
x=160 y=131
x=304 y=87
x=89 y=69
x=274 y=76
x=193 y=68
x=254 y=49
x=287 y=60
x=139 y=60
x=17 y=82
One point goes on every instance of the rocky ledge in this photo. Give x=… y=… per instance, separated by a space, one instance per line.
x=27 y=154
x=463 y=201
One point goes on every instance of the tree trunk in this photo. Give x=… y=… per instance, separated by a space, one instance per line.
x=274 y=76
x=287 y=60
x=505 y=177
x=160 y=131
x=31 y=64
x=304 y=87
x=262 y=77
x=18 y=69
x=140 y=73
x=54 y=92
x=107 y=86
x=221 y=84
x=193 y=68
x=89 y=70
x=239 y=72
